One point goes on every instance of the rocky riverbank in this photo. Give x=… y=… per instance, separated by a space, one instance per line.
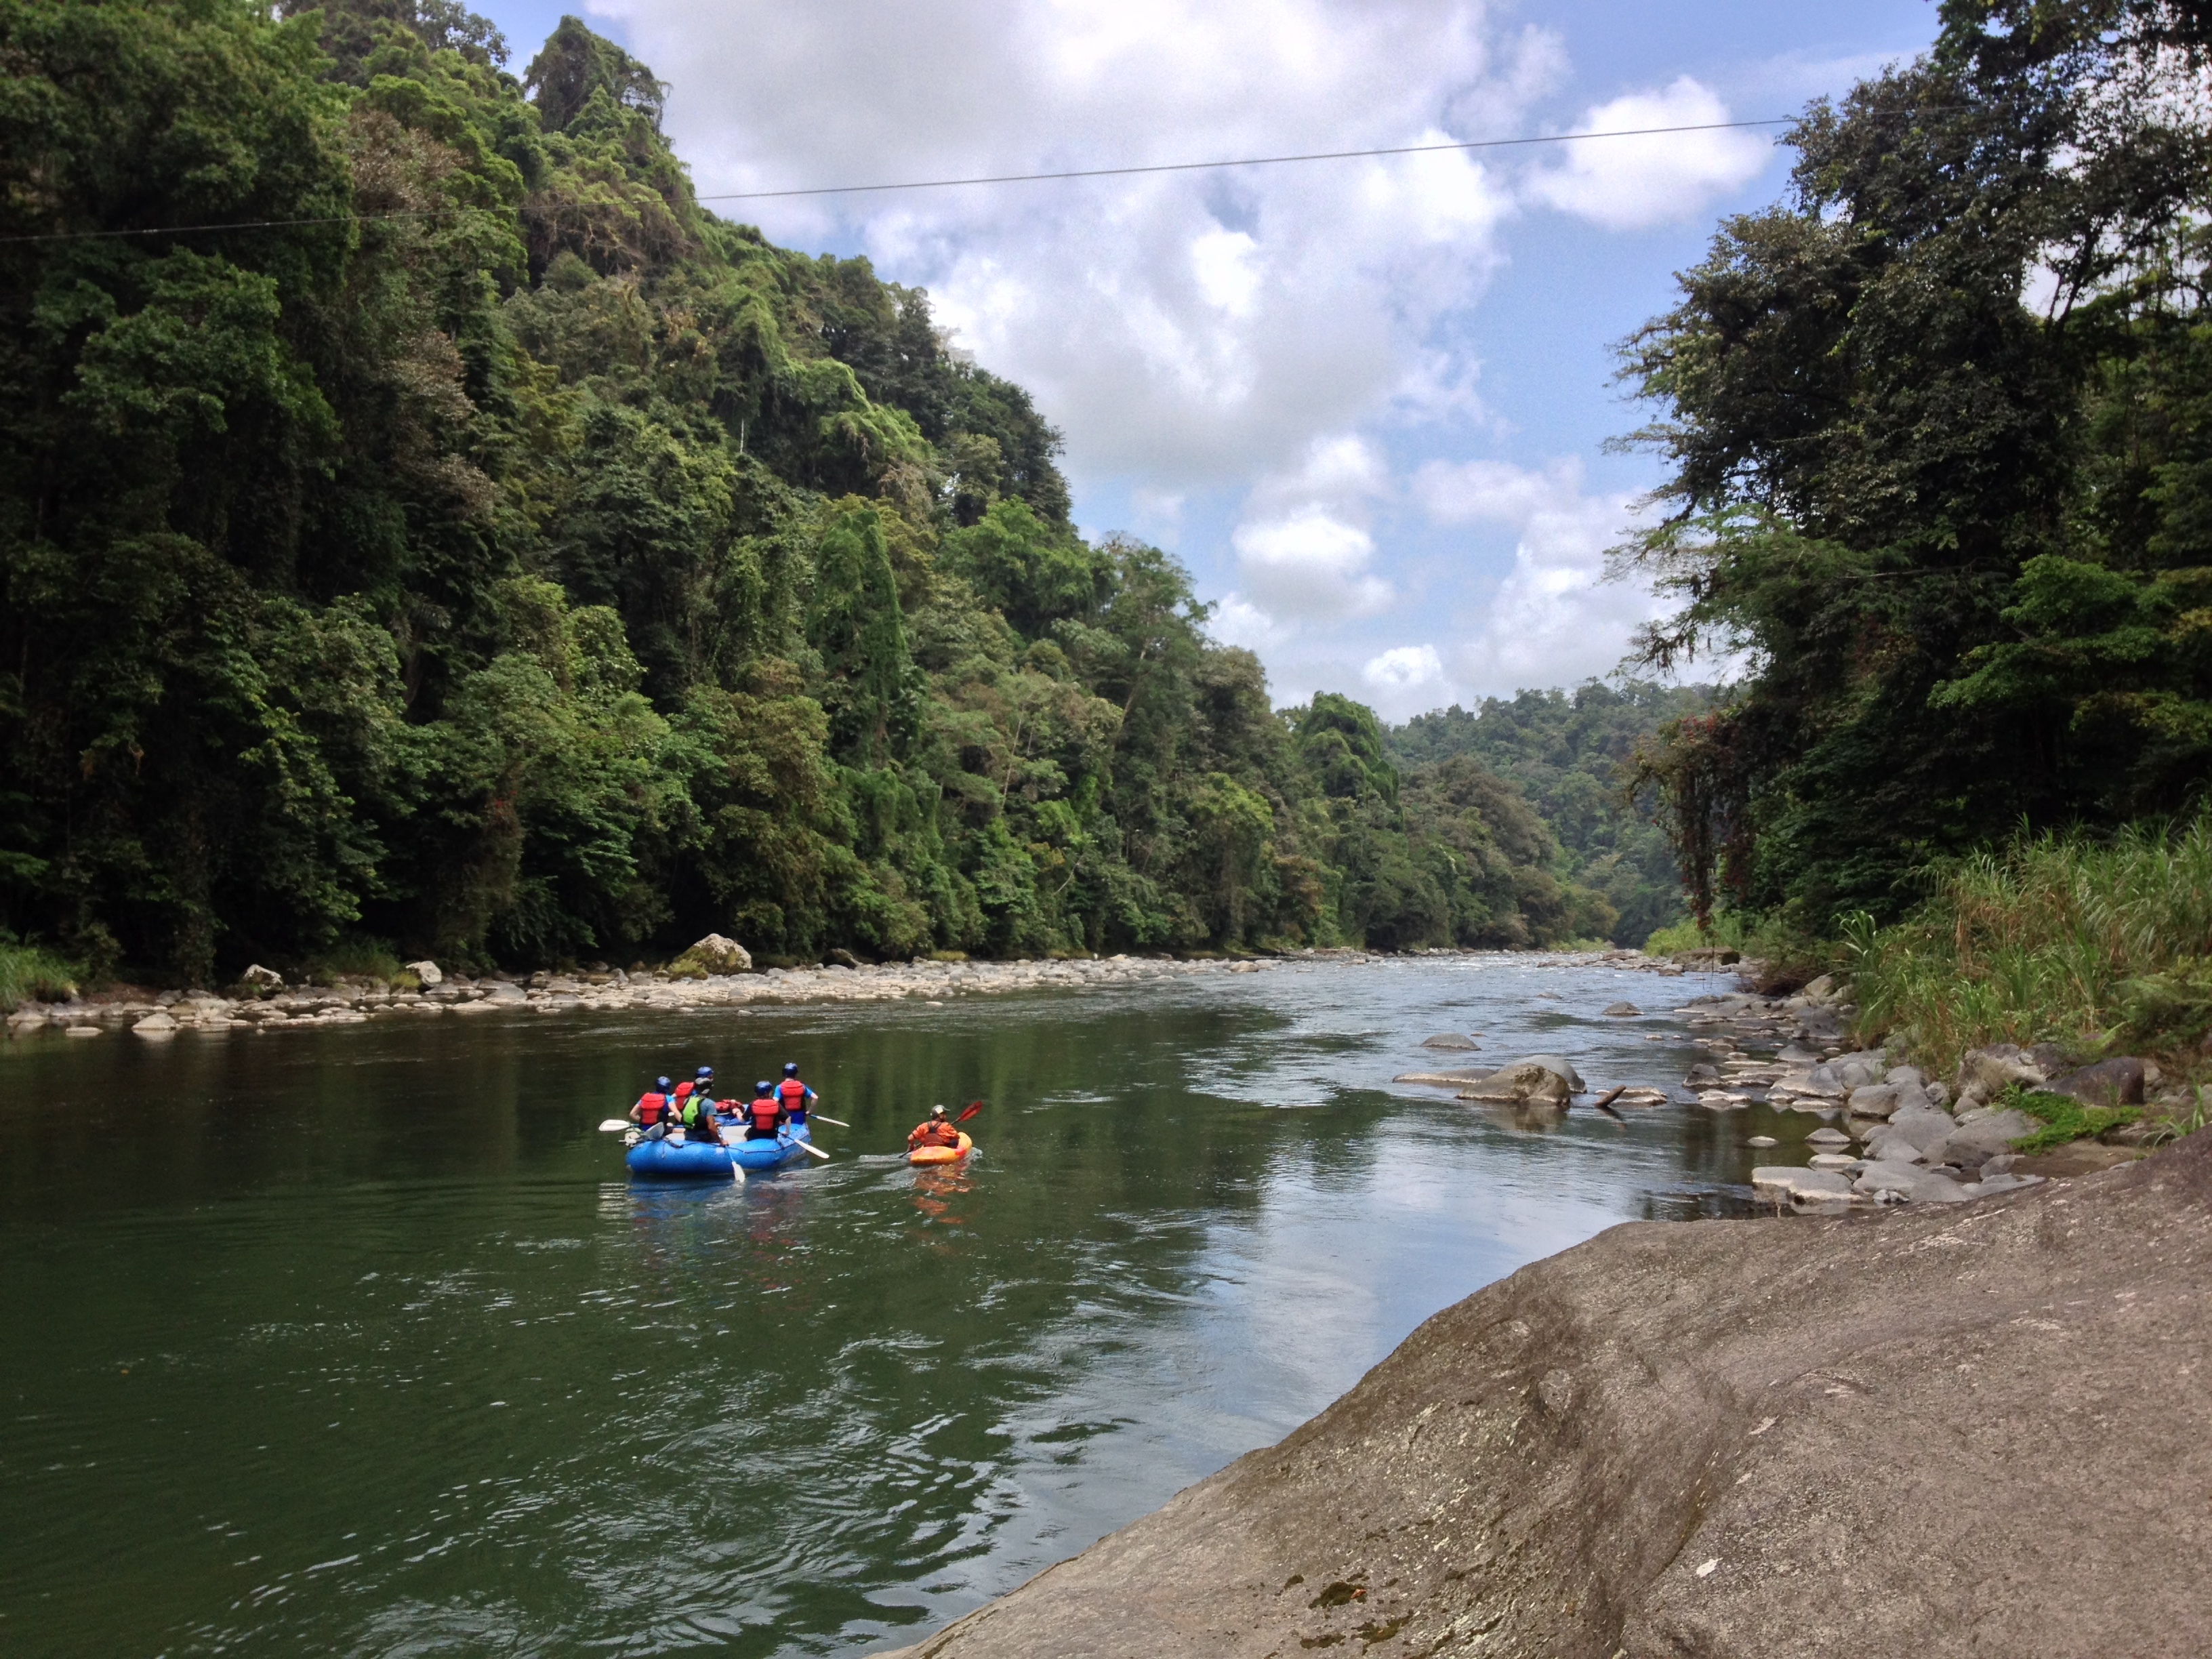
x=266 y=1003
x=1925 y=1432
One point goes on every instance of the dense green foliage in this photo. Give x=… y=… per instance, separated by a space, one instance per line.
x=1940 y=431
x=2089 y=944
x=1573 y=756
x=423 y=528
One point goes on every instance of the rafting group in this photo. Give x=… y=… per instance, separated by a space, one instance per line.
x=683 y=1132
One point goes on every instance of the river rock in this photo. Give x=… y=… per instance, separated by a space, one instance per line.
x=1800 y=1186
x=1831 y=1161
x=1848 y=1072
x=1912 y=1183
x=1449 y=1040
x=715 y=954
x=1623 y=1010
x=1523 y=1083
x=429 y=973
x=1827 y=1137
x=2108 y=1083
x=1985 y=1074
x=1762 y=1141
x=1877 y=1100
x=258 y=978
x=1981 y=1136
x=1701 y=1075
x=155 y=1024
x=1910 y=1076
x=1923 y=1126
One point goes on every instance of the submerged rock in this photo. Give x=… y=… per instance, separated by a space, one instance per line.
x=1449 y=1040
x=1861 y=1436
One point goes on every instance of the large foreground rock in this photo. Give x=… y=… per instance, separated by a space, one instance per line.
x=1982 y=1430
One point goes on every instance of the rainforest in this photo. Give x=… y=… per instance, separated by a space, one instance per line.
x=425 y=529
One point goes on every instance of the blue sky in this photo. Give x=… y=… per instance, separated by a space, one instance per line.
x=1365 y=402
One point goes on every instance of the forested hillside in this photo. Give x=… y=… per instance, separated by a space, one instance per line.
x=1940 y=435
x=1574 y=755
x=425 y=529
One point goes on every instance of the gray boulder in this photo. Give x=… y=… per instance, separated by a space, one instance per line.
x=427 y=972
x=1623 y=1010
x=1559 y=1063
x=1849 y=1072
x=1874 y=1100
x=1524 y=1082
x=1980 y=1137
x=1773 y=1180
x=1923 y=1126
x=262 y=979
x=2108 y=1083
x=713 y=954
x=1916 y=1185
x=1908 y=1074
x=1985 y=1073
x=1449 y=1040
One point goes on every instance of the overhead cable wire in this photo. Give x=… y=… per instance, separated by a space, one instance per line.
x=1448 y=147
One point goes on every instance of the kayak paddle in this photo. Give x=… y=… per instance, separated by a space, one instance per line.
x=819 y=1118
x=614 y=1125
x=809 y=1146
x=970 y=1113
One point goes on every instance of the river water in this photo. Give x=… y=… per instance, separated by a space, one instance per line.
x=356 y=1340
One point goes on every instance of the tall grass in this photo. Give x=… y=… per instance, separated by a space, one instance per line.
x=31 y=973
x=2094 y=946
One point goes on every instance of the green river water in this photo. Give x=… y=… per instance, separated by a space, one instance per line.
x=357 y=1340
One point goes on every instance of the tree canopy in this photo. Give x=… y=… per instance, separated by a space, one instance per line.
x=423 y=525
x=1937 y=438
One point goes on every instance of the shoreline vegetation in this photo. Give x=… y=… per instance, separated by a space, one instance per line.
x=482 y=551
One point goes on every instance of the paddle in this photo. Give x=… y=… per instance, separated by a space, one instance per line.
x=809 y=1146
x=616 y=1124
x=970 y=1113
x=819 y=1118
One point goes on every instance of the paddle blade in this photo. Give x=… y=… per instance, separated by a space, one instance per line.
x=614 y=1125
x=970 y=1113
x=809 y=1146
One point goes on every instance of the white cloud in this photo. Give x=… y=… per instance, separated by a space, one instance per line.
x=1554 y=620
x=1405 y=668
x=1624 y=184
x=1310 y=564
x=1185 y=329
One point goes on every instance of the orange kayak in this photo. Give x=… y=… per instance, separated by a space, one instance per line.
x=941 y=1154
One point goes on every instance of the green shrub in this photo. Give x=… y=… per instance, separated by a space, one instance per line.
x=31 y=973
x=2093 y=945
x=2063 y=1118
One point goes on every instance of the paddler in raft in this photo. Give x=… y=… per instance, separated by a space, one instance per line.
x=695 y=1108
x=654 y=1111
x=935 y=1130
x=796 y=1096
x=765 y=1115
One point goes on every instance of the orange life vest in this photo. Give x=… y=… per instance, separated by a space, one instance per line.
x=649 y=1109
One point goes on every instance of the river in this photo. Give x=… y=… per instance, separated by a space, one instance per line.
x=356 y=1340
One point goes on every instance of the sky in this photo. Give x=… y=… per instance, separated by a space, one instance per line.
x=1365 y=402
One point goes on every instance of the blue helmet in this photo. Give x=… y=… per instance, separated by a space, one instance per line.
x=664 y=1085
x=763 y=1086
x=791 y=1068
x=706 y=1071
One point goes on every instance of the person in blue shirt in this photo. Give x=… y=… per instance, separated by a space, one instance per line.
x=796 y=1098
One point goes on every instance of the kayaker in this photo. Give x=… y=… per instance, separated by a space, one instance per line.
x=935 y=1130
x=765 y=1115
x=652 y=1111
x=796 y=1096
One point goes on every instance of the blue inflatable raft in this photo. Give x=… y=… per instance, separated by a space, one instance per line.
x=701 y=1160
x=756 y=1155
x=664 y=1160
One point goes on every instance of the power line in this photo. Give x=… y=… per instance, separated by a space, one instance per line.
x=949 y=184
x=1247 y=162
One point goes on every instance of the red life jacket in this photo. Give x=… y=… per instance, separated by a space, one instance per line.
x=792 y=1093
x=684 y=1091
x=649 y=1109
x=765 y=1110
x=937 y=1131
